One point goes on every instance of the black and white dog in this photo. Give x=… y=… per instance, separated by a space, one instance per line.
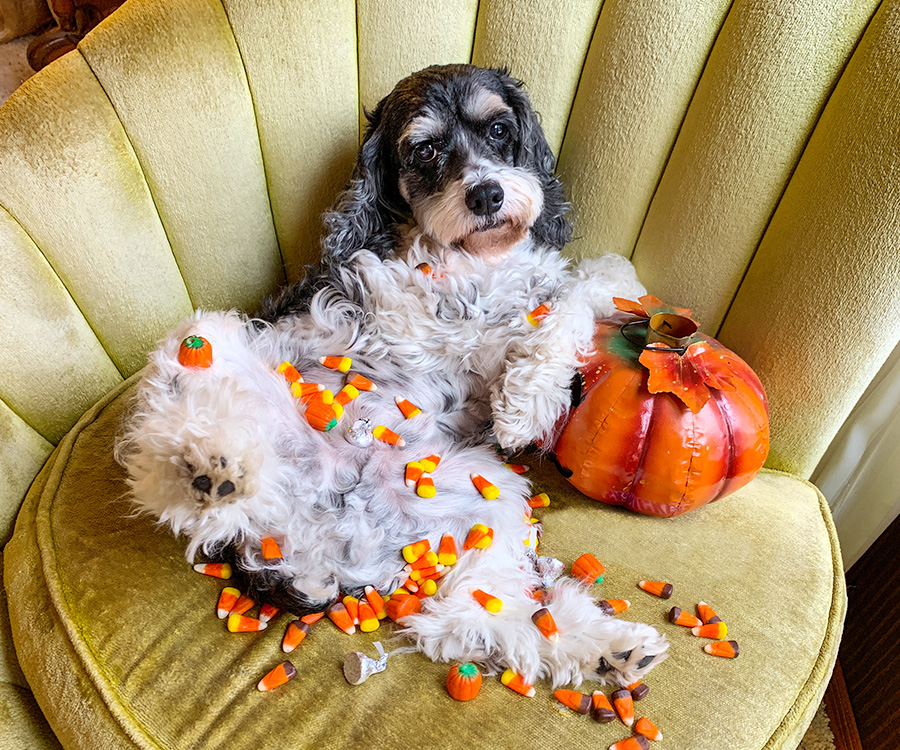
x=454 y=173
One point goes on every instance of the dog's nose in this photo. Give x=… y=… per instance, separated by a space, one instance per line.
x=485 y=199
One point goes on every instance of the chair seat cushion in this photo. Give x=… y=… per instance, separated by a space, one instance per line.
x=119 y=640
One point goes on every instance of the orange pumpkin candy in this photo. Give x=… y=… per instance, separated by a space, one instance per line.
x=463 y=681
x=195 y=351
x=667 y=423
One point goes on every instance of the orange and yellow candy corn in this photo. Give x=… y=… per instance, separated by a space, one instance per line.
x=306 y=391
x=613 y=606
x=390 y=437
x=376 y=602
x=717 y=630
x=638 y=742
x=573 y=699
x=725 y=649
x=408 y=408
x=476 y=534
x=401 y=605
x=425 y=487
x=538 y=314
x=638 y=690
x=490 y=603
x=513 y=680
x=707 y=614
x=657 y=588
x=428 y=560
x=291 y=373
x=680 y=617
x=227 y=599
x=270 y=549
x=267 y=612
x=414 y=472
x=422 y=573
x=412 y=552
x=601 y=708
x=346 y=395
x=545 y=623
x=447 y=550
x=294 y=635
x=352 y=605
x=241 y=624
x=430 y=463
x=646 y=728
x=314 y=617
x=243 y=604
x=539 y=501
x=624 y=705
x=360 y=382
x=517 y=468
x=284 y=672
x=488 y=491
x=368 y=622
x=338 y=614
x=427 y=587
x=411 y=585
x=216 y=570
x=341 y=364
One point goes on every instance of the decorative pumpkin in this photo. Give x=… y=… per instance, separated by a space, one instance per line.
x=588 y=569
x=669 y=419
x=463 y=681
x=195 y=351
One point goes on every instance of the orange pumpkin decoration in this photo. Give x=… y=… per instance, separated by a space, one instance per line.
x=195 y=351
x=463 y=681
x=588 y=569
x=669 y=419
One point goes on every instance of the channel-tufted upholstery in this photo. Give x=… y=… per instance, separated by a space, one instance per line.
x=744 y=155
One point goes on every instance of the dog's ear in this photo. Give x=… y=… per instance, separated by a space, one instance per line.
x=552 y=228
x=363 y=216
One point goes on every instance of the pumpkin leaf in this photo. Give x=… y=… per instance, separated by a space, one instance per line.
x=672 y=373
x=712 y=365
x=654 y=305
x=630 y=306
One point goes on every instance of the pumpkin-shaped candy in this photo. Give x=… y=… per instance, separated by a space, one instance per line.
x=195 y=351
x=463 y=681
x=588 y=569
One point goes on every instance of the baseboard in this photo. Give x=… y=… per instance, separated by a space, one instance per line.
x=840 y=712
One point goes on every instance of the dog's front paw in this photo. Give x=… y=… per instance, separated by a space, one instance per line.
x=215 y=476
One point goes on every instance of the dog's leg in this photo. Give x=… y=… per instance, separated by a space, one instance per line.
x=534 y=391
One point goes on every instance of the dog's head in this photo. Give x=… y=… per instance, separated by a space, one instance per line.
x=457 y=150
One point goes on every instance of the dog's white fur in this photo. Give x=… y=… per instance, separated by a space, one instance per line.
x=456 y=343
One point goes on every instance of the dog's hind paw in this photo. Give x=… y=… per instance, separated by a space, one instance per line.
x=215 y=478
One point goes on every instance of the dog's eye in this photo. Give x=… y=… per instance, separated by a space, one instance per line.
x=499 y=131
x=425 y=152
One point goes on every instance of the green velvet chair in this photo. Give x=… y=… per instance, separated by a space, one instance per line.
x=744 y=155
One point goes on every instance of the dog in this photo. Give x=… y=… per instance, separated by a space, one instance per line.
x=448 y=234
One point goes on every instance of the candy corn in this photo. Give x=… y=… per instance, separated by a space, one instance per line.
x=338 y=614
x=646 y=728
x=422 y=573
x=367 y=619
x=624 y=705
x=707 y=614
x=390 y=437
x=305 y=391
x=588 y=569
x=488 y=491
x=412 y=552
x=476 y=534
x=638 y=742
x=680 y=617
x=314 y=617
x=601 y=708
x=241 y=624
x=717 y=630
x=538 y=314
x=216 y=570
x=341 y=364
x=414 y=472
x=424 y=268
x=411 y=585
x=401 y=605
x=227 y=599
x=657 y=588
x=447 y=550
x=284 y=672
x=726 y=649
x=428 y=560
x=430 y=463
x=514 y=681
x=638 y=690
x=490 y=603
x=346 y=395
x=486 y=540
x=517 y=468
x=352 y=605
x=267 y=612
x=243 y=604
x=539 y=501
x=545 y=623
x=408 y=408
x=291 y=374
x=294 y=635
x=425 y=487
x=270 y=549
x=573 y=699
x=360 y=382
x=613 y=606
x=428 y=587
x=376 y=602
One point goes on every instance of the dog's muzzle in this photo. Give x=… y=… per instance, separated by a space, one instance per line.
x=485 y=198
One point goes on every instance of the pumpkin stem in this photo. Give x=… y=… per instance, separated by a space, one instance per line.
x=675 y=331
x=467 y=670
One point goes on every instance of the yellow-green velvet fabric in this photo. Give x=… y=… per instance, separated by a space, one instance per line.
x=118 y=637
x=22 y=453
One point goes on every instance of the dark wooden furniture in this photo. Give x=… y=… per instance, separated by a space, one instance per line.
x=73 y=19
